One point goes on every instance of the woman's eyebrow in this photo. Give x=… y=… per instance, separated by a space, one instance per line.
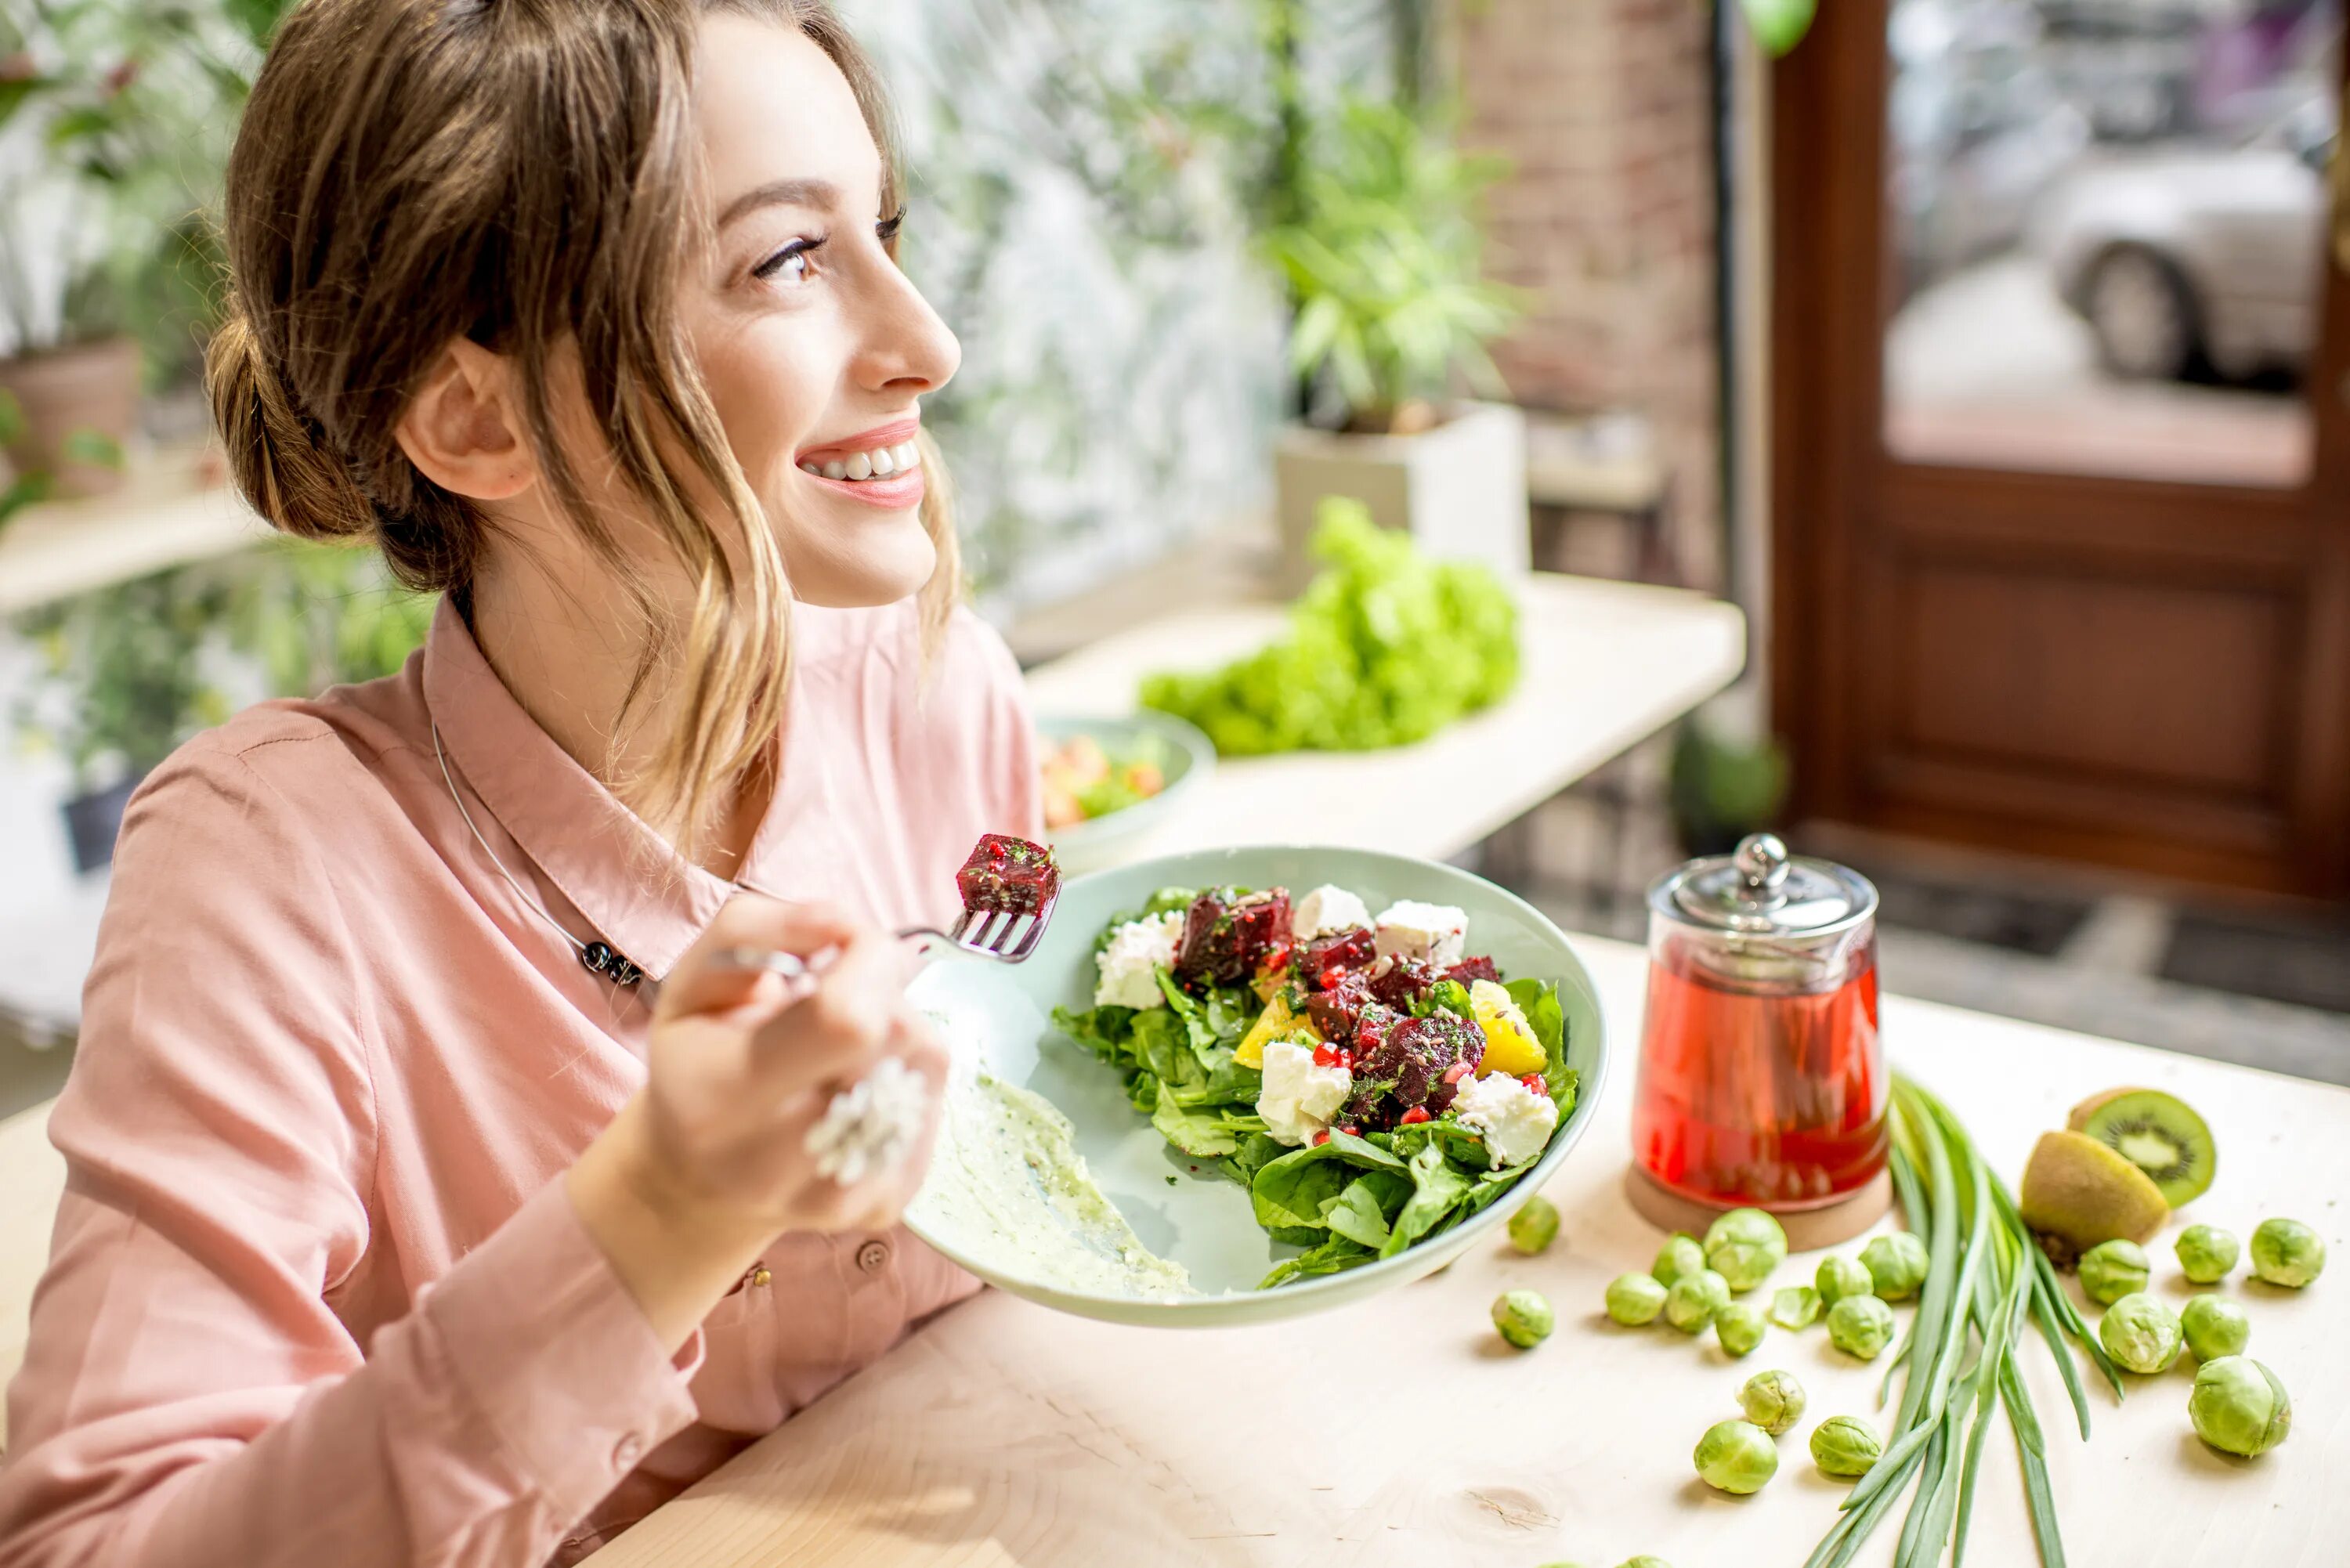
x=821 y=193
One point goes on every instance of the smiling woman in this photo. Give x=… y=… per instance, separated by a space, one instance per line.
x=435 y=1196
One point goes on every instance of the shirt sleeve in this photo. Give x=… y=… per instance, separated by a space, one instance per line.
x=189 y=1395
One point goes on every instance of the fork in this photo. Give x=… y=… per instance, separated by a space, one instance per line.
x=990 y=926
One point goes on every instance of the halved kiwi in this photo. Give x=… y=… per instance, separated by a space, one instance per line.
x=2159 y=1133
x=2077 y=1192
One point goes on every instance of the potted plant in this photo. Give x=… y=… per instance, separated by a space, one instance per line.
x=121 y=686
x=1382 y=257
x=124 y=679
x=115 y=119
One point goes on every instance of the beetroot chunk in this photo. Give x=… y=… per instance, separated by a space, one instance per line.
x=1007 y=873
x=1405 y=982
x=1335 y=1008
x=1321 y=961
x=1468 y=970
x=1227 y=934
x=1411 y=1058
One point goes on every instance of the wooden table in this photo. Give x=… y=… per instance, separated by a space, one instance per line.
x=1606 y=664
x=1402 y=1432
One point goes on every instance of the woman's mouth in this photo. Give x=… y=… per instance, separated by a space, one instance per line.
x=885 y=469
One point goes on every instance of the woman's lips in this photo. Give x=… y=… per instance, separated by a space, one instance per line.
x=894 y=493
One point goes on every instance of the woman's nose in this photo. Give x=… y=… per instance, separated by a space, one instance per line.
x=906 y=347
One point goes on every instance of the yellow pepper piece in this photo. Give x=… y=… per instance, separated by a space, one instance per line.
x=1510 y=1045
x=1275 y=1023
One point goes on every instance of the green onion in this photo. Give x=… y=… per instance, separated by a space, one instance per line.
x=1985 y=1277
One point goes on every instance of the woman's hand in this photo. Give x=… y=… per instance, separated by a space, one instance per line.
x=709 y=1161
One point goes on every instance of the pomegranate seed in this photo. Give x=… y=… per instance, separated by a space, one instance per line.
x=1326 y=1055
x=1321 y=1138
x=1457 y=1071
x=1534 y=1081
x=1416 y=1115
x=1351 y=1131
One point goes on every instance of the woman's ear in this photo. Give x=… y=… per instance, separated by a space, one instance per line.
x=463 y=429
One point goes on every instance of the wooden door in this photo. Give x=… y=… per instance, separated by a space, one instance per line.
x=2031 y=590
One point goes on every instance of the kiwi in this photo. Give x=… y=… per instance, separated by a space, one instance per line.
x=2159 y=1133
x=2080 y=1192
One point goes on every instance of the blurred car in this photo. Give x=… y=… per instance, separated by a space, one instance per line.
x=2197 y=258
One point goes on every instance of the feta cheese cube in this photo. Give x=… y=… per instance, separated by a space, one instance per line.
x=1438 y=933
x=1298 y=1098
x=1515 y=1122
x=1328 y=910
x=1130 y=963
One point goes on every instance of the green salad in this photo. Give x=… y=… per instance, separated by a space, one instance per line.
x=1369 y=1082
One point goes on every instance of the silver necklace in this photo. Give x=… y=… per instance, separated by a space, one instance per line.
x=599 y=957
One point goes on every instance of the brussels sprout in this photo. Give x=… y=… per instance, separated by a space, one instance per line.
x=1690 y=1304
x=1523 y=1317
x=2205 y=1253
x=2140 y=1334
x=1743 y=1246
x=1845 y=1445
x=1860 y=1326
x=1840 y=1277
x=1895 y=1265
x=2239 y=1406
x=2214 y=1328
x=1644 y=1561
x=1772 y=1400
x=1679 y=1256
x=2287 y=1252
x=1739 y=1326
x=1534 y=1226
x=1736 y=1456
x=1795 y=1307
x=1635 y=1299
x=2112 y=1269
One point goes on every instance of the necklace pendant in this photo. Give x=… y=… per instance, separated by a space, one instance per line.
x=599 y=959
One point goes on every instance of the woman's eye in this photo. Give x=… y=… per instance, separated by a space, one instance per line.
x=795 y=263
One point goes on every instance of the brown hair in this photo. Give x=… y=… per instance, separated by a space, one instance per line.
x=519 y=172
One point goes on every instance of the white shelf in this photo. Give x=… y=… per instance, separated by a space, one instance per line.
x=165 y=514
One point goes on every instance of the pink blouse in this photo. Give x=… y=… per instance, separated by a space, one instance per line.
x=316 y=1295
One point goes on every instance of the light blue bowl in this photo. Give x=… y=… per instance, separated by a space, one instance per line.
x=1183 y=754
x=1000 y=1015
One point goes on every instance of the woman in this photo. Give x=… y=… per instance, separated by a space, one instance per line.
x=434 y=1197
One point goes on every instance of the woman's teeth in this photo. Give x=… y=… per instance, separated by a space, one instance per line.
x=879 y=463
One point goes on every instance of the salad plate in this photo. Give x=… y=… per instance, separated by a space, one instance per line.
x=1016 y=1197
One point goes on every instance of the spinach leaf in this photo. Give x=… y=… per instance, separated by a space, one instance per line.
x=1538 y=999
x=1290 y=1192
x=1445 y=995
x=1355 y=1214
x=1436 y=1187
x=1106 y=1031
x=1227 y=1084
x=1337 y=1252
x=1256 y=1151
x=1204 y=1135
x=1461 y=1144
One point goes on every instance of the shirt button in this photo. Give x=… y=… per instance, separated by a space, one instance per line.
x=627 y=1452
x=759 y=1276
x=871 y=1256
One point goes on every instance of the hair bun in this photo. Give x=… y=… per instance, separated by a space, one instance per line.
x=274 y=452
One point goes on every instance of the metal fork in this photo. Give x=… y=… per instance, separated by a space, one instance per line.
x=988 y=930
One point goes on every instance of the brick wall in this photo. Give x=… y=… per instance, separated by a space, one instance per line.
x=1602 y=105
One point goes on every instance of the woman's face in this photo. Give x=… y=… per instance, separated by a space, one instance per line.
x=816 y=348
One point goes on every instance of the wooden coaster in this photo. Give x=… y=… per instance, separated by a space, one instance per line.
x=1808 y=1230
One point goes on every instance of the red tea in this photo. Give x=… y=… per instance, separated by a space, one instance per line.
x=1774 y=1098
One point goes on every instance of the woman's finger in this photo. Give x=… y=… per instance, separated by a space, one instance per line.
x=835 y=1033
x=700 y=984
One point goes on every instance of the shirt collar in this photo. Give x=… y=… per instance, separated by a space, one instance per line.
x=629 y=885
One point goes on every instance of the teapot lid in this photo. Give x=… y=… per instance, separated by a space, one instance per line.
x=1763 y=890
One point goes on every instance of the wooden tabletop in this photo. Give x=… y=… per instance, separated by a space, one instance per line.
x=1401 y=1432
x=1606 y=664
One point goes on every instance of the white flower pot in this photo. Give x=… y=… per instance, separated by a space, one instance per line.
x=1459 y=488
